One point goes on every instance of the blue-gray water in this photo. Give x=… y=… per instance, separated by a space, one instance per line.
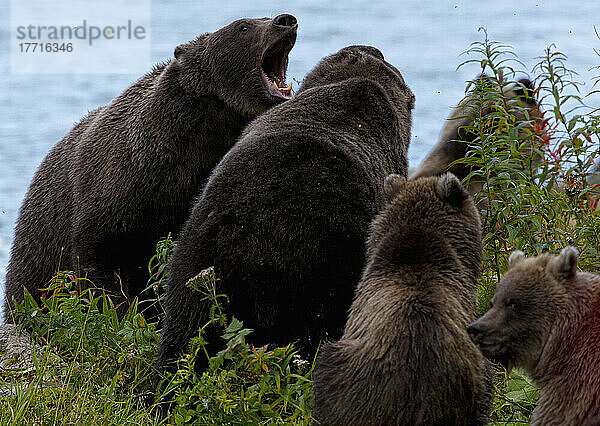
x=423 y=39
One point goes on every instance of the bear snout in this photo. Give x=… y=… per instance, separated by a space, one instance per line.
x=285 y=20
x=476 y=330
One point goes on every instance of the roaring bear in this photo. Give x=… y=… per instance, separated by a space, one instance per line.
x=285 y=214
x=545 y=318
x=127 y=173
x=455 y=140
x=405 y=357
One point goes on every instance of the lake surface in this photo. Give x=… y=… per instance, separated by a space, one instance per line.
x=424 y=39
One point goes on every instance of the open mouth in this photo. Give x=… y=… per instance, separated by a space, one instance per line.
x=274 y=67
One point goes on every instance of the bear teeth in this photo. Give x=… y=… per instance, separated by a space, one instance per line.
x=283 y=89
x=272 y=82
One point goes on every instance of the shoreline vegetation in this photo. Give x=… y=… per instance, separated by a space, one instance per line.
x=77 y=362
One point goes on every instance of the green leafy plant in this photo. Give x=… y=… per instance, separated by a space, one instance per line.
x=244 y=384
x=95 y=367
x=534 y=172
x=536 y=194
x=158 y=269
x=515 y=398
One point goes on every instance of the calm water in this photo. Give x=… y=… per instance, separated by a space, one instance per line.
x=423 y=39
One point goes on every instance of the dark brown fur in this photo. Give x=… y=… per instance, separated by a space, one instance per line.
x=126 y=175
x=405 y=357
x=545 y=318
x=455 y=141
x=285 y=214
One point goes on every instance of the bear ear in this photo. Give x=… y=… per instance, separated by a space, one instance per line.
x=198 y=44
x=450 y=190
x=393 y=184
x=524 y=89
x=515 y=258
x=179 y=50
x=565 y=264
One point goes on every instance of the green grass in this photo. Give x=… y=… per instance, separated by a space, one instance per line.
x=98 y=369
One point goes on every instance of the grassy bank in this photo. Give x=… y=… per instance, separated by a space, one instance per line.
x=97 y=369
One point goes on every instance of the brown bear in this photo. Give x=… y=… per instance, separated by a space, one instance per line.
x=405 y=357
x=126 y=175
x=284 y=216
x=545 y=318
x=455 y=141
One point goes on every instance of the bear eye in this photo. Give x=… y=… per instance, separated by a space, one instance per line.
x=511 y=304
x=244 y=28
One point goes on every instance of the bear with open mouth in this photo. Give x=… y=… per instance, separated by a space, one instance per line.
x=127 y=173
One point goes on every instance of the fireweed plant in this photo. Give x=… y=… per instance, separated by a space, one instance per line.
x=539 y=173
x=536 y=194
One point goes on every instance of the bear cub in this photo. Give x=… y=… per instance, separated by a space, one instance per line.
x=545 y=318
x=405 y=356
